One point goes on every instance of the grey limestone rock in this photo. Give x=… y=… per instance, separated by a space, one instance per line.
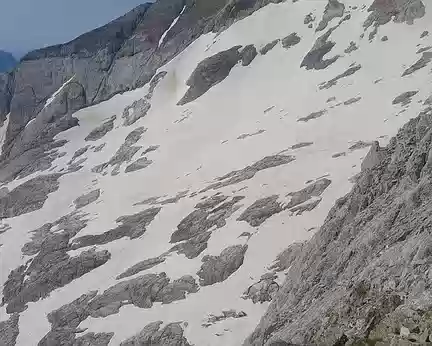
x=424 y=34
x=192 y=247
x=141 y=266
x=286 y=258
x=351 y=48
x=400 y=10
x=301 y=145
x=349 y=72
x=248 y=54
x=203 y=219
x=9 y=331
x=360 y=145
x=374 y=157
x=135 y=111
x=170 y=335
x=87 y=199
x=263 y=290
x=269 y=46
x=218 y=268
x=94 y=339
x=309 y=18
x=333 y=9
x=79 y=152
x=139 y=164
x=314 y=59
x=212 y=319
x=315 y=189
x=132 y=226
x=101 y=130
x=99 y=147
x=209 y=72
x=404 y=98
x=352 y=100
x=364 y=278
x=261 y=210
x=313 y=115
x=249 y=172
x=29 y=196
x=425 y=59
x=6 y=92
x=246 y=135
x=290 y=40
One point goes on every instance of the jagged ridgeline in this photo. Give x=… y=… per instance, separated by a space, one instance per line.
x=222 y=172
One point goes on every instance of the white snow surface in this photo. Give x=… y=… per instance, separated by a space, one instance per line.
x=51 y=99
x=204 y=146
x=3 y=130
x=161 y=40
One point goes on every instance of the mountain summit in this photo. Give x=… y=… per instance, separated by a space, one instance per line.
x=230 y=172
x=7 y=61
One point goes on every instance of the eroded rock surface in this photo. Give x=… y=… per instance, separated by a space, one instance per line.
x=9 y=331
x=368 y=264
x=218 y=268
x=269 y=46
x=170 y=335
x=248 y=54
x=210 y=72
x=404 y=98
x=87 y=199
x=314 y=59
x=101 y=130
x=291 y=40
x=261 y=210
x=141 y=266
x=332 y=82
x=332 y=10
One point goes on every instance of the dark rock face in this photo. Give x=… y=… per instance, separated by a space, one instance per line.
x=248 y=54
x=368 y=264
x=29 y=196
x=193 y=247
x=332 y=82
x=218 y=268
x=205 y=216
x=314 y=59
x=261 y=210
x=400 y=10
x=171 y=335
x=249 y=172
x=404 y=98
x=425 y=59
x=9 y=331
x=87 y=199
x=141 y=266
x=210 y=72
x=6 y=89
x=332 y=10
x=132 y=226
x=101 y=130
x=269 y=46
x=291 y=40
x=52 y=267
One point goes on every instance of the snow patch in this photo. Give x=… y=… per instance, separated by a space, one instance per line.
x=171 y=26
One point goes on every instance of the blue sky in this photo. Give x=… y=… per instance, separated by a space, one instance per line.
x=31 y=24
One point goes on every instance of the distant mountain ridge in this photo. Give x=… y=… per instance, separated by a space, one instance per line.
x=7 y=61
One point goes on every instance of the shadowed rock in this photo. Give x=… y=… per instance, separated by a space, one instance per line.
x=334 y=81
x=261 y=210
x=313 y=115
x=307 y=194
x=135 y=111
x=218 y=268
x=262 y=291
x=351 y=48
x=400 y=10
x=269 y=46
x=246 y=135
x=87 y=199
x=291 y=40
x=210 y=72
x=141 y=266
x=101 y=130
x=192 y=247
x=332 y=10
x=212 y=319
x=248 y=54
x=314 y=59
x=203 y=219
x=404 y=98
x=249 y=172
x=29 y=196
x=171 y=335
x=366 y=265
x=425 y=59
x=132 y=226
x=139 y=164
x=9 y=331
x=52 y=267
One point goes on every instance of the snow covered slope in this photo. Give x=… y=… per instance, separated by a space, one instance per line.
x=206 y=191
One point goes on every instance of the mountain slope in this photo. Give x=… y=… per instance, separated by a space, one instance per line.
x=7 y=61
x=179 y=212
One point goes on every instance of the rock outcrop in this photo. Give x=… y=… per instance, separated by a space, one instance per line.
x=365 y=277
